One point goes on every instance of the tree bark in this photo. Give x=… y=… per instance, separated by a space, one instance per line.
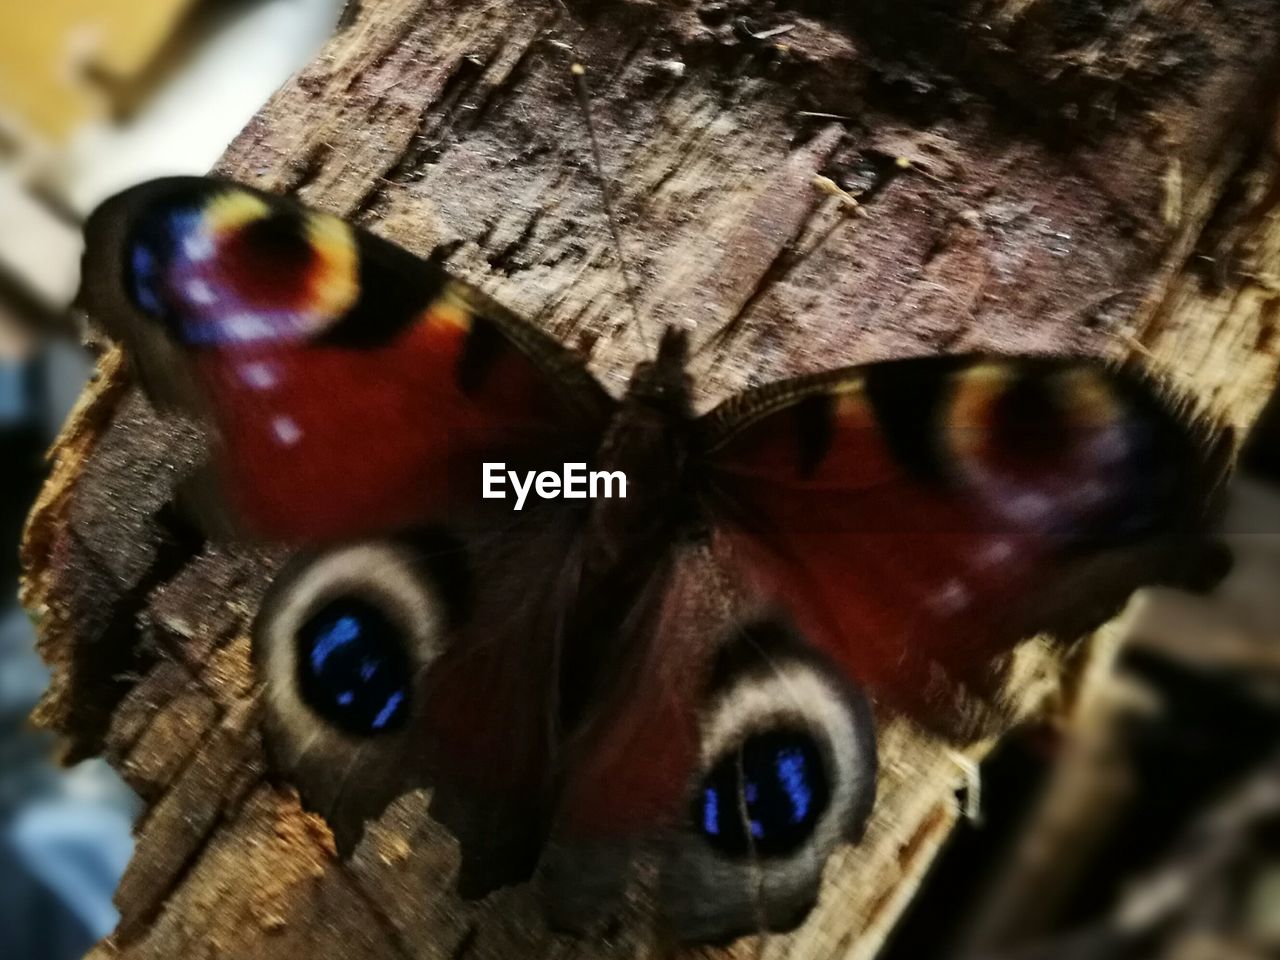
x=1032 y=175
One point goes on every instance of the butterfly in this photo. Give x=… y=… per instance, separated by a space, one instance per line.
x=691 y=673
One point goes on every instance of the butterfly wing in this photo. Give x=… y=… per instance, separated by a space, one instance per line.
x=355 y=391
x=726 y=766
x=889 y=532
x=426 y=660
x=921 y=517
x=354 y=387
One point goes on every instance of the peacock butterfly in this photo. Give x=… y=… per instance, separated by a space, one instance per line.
x=685 y=673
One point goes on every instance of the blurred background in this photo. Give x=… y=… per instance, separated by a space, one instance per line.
x=1149 y=828
x=95 y=95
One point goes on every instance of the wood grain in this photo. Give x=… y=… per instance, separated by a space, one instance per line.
x=1033 y=176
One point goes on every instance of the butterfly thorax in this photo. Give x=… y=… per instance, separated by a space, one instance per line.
x=650 y=440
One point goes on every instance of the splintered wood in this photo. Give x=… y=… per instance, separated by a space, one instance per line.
x=1026 y=180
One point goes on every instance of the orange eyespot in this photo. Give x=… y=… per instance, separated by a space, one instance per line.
x=1002 y=413
x=227 y=212
x=335 y=279
x=1043 y=446
x=306 y=265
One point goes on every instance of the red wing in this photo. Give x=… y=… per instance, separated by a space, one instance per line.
x=354 y=388
x=921 y=517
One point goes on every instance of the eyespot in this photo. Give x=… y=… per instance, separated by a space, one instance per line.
x=787 y=774
x=765 y=798
x=229 y=266
x=266 y=261
x=342 y=638
x=1045 y=447
x=352 y=666
x=344 y=644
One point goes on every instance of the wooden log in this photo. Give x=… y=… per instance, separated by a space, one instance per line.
x=1032 y=175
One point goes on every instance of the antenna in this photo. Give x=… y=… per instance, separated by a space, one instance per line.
x=584 y=101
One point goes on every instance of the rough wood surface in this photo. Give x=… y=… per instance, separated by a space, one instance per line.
x=1075 y=177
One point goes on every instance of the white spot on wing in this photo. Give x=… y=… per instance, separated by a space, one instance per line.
x=246 y=326
x=200 y=292
x=952 y=597
x=995 y=553
x=286 y=430
x=1028 y=507
x=197 y=247
x=258 y=375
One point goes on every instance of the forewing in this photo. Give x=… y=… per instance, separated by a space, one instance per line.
x=354 y=388
x=355 y=391
x=921 y=517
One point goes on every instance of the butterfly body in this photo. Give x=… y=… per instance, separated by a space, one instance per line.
x=685 y=673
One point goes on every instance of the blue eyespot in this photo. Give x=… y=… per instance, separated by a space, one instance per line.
x=766 y=797
x=352 y=667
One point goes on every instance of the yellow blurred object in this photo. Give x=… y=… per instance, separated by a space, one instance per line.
x=55 y=55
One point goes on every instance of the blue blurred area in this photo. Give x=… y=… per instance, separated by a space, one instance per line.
x=64 y=835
